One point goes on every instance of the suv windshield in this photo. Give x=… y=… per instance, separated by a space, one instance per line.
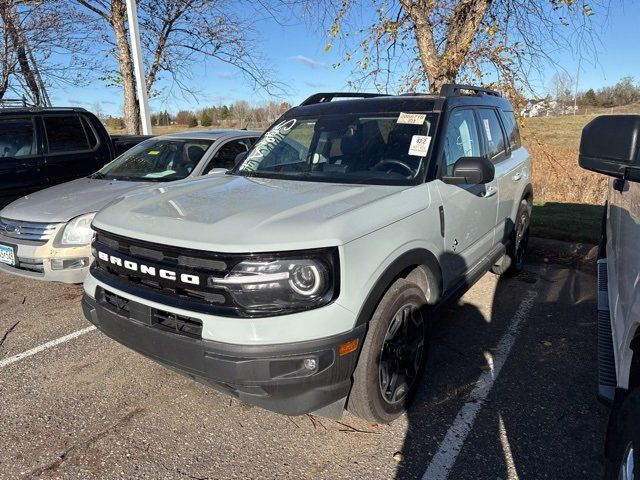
x=156 y=160
x=385 y=148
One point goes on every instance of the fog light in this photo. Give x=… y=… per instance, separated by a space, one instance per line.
x=69 y=263
x=310 y=363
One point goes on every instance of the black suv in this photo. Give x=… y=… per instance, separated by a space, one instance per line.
x=41 y=147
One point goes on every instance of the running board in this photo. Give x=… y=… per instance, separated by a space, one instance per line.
x=606 y=360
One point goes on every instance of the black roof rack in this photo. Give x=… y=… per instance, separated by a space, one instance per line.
x=452 y=89
x=328 y=96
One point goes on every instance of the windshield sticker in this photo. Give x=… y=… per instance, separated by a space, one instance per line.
x=267 y=143
x=487 y=128
x=411 y=118
x=419 y=145
x=153 y=152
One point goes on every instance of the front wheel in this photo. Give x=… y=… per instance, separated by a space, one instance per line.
x=393 y=355
x=512 y=262
x=623 y=461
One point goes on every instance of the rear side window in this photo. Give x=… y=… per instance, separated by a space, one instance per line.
x=494 y=138
x=65 y=134
x=511 y=126
x=93 y=141
x=17 y=137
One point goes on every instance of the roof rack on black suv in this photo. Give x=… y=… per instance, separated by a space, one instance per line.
x=453 y=89
x=329 y=96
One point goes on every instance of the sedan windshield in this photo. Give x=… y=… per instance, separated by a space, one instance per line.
x=386 y=148
x=156 y=160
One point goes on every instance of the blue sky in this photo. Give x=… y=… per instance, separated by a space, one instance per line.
x=296 y=54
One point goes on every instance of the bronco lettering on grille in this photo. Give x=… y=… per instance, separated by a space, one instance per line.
x=148 y=270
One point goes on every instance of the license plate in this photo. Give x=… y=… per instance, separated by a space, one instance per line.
x=7 y=255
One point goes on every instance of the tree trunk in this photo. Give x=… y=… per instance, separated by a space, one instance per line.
x=131 y=107
x=12 y=26
x=442 y=68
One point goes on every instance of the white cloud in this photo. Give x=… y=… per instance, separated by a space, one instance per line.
x=309 y=62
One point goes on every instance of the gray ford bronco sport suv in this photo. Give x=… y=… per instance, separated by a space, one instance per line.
x=303 y=280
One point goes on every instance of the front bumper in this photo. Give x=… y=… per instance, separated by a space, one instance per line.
x=270 y=376
x=35 y=261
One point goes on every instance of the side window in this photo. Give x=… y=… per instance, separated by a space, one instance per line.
x=226 y=155
x=93 y=141
x=17 y=137
x=490 y=126
x=65 y=133
x=511 y=126
x=462 y=138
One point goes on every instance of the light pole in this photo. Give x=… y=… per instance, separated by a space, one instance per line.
x=132 y=16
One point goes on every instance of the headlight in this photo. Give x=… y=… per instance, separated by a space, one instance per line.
x=78 y=231
x=282 y=284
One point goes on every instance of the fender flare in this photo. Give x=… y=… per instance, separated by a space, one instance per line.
x=412 y=258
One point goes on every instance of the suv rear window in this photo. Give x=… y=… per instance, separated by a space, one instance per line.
x=65 y=134
x=493 y=135
x=16 y=137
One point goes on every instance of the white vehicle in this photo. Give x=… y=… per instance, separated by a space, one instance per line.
x=300 y=280
x=611 y=145
x=46 y=235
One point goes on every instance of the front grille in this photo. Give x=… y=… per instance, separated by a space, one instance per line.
x=160 y=319
x=30 y=231
x=31 y=264
x=199 y=264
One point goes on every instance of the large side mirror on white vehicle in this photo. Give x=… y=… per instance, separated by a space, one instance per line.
x=610 y=144
x=471 y=171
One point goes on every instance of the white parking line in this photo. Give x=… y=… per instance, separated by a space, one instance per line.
x=444 y=459
x=8 y=361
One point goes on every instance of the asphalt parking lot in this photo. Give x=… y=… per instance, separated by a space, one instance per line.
x=509 y=393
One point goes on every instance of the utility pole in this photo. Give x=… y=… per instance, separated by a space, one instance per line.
x=136 y=50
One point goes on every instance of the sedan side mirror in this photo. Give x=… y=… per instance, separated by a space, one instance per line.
x=471 y=171
x=610 y=144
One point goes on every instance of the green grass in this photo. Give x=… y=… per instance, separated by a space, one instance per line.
x=571 y=222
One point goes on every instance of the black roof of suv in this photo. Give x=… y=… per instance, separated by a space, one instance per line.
x=451 y=95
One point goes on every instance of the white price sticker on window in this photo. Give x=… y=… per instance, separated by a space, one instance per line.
x=419 y=145
x=487 y=128
x=411 y=118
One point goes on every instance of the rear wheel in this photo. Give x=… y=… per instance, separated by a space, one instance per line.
x=512 y=262
x=393 y=355
x=623 y=461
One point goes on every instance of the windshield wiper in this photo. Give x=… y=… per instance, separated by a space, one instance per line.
x=97 y=175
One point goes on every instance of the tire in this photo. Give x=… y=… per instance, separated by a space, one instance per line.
x=623 y=440
x=395 y=348
x=512 y=262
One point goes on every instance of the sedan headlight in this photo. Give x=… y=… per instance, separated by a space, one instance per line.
x=78 y=231
x=282 y=284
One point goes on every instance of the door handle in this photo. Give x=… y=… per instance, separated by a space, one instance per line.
x=489 y=192
x=517 y=176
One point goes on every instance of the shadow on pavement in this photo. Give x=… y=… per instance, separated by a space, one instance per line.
x=541 y=418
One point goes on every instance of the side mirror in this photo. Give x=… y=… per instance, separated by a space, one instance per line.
x=240 y=157
x=471 y=171
x=610 y=144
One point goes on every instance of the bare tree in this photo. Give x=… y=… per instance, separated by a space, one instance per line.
x=32 y=31
x=433 y=42
x=176 y=34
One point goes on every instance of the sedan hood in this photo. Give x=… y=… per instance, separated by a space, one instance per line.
x=239 y=214
x=63 y=202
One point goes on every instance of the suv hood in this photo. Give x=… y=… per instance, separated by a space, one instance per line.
x=238 y=214
x=63 y=202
